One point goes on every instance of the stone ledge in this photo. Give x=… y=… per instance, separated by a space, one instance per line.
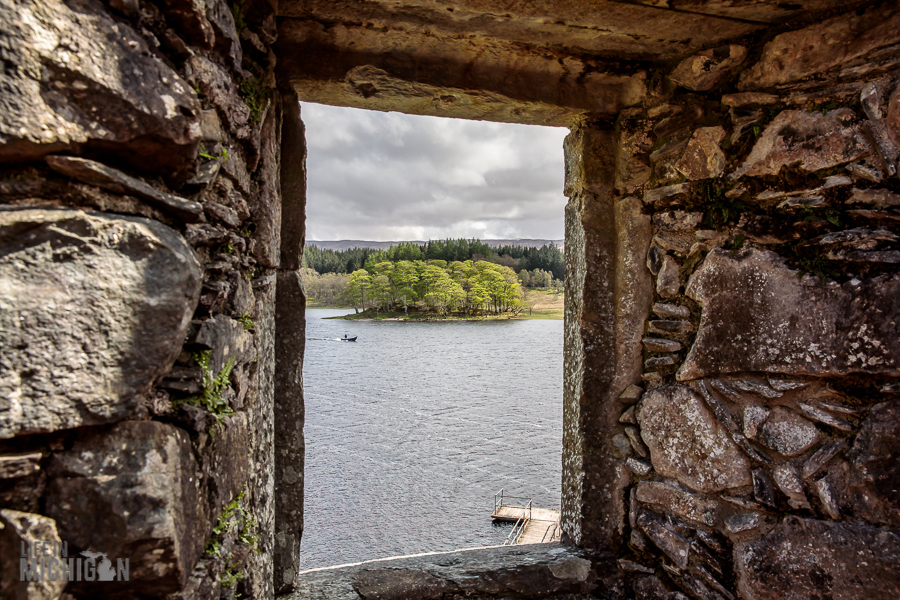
x=535 y=571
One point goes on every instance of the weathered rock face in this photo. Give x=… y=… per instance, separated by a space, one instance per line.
x=540 y=64
x=687 y=443
x=703 y=158
x=535 y=571
x=802 y=558
x=157 y=522
x=18 y=531
x=813 y=140
x=705 y=69
x=94 y=310
x=684 y=504
x=607 y=239
x=289 y=439
x=782 y=324
x=77 y=78
x=95 y=173
x=875 y=469
x=786 y=432
x=824 y=46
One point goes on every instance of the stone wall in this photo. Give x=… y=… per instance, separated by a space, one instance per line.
x=139 y=247
x=759 y=431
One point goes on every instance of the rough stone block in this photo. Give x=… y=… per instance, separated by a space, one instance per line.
x=631 y=394
x=211 y=127
x=875 y=468
x=661 y=345
x=705 y=69
x=676 y=547
x=681 y=503
x=19 y=530
x=13 y=467
x=687 y=443
x=893 y=115
x=671 y=311
x=76 y=78
x=780 y=323
x=812 y=140
x=787 y=432
x=787 y=478
x=141 y=479
x=532 y=571
x=95 y=173
x=217 y=85
x=820 y=47
x=667 y=282
x=226 y=338
x=659 y=361
x=805 y=559
x=703 y=159
x=218 y=13
x=399 y=583
x=188 y=18
x=670 y=327
x=226 y=462
x=93 y=311
x=677 y=220
x=657 y=195
x=878 y=197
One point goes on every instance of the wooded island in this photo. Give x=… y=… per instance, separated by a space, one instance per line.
x=463 y=278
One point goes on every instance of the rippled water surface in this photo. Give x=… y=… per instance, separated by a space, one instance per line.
x=411 y=430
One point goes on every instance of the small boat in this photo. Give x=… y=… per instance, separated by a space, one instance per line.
x=349 y=339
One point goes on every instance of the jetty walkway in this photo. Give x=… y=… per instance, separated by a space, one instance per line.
x=532 y=525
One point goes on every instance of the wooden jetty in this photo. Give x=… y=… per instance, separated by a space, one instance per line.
x=532 y=525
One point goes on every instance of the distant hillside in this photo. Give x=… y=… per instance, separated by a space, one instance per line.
x=348 y=244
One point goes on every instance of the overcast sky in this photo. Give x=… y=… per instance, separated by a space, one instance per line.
x=389 y=176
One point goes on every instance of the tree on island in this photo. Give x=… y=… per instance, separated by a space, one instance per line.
x=440 y=287
x=355 y=292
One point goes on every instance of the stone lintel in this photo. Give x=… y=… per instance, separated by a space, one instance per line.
x=448 y=77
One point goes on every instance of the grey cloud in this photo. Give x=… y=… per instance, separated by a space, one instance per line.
x=386 y=176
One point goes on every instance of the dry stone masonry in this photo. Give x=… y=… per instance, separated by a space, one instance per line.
x=732 y=385
x=770 y=350
x=139 y=244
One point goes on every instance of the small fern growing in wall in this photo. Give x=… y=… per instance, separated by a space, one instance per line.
x=214 y=386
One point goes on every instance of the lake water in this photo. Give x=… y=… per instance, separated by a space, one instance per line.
x=412 y=429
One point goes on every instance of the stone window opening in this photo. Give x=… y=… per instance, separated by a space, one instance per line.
x=557 y=175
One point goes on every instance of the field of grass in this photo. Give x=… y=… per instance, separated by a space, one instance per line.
x=545 y=304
